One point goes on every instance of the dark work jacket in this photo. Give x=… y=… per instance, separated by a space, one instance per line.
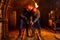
x=25 y=14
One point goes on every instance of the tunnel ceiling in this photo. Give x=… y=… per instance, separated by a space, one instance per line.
x=18 y=4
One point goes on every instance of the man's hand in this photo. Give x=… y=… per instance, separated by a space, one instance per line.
x=31 y=22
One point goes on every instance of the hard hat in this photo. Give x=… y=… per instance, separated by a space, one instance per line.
x=28 y=7
x=34 y=10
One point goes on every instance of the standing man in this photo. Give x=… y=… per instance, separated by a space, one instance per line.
x=35 y=18
x=24 y=17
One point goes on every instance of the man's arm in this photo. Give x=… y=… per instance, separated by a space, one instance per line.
x=23 y=14
x=38 y=16
x=24 y=17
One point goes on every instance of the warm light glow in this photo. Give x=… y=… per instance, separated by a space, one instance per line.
x=50 y=22
x=52 y=11
x=36 y=5
x=0 y=11
x=36 y=32
x=30 y=32
x=24 y=32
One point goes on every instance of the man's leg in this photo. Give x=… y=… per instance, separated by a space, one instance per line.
x=20 y=29
x=21 y=26
x=39 y=26
x=26 y=29
x=33 y=29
